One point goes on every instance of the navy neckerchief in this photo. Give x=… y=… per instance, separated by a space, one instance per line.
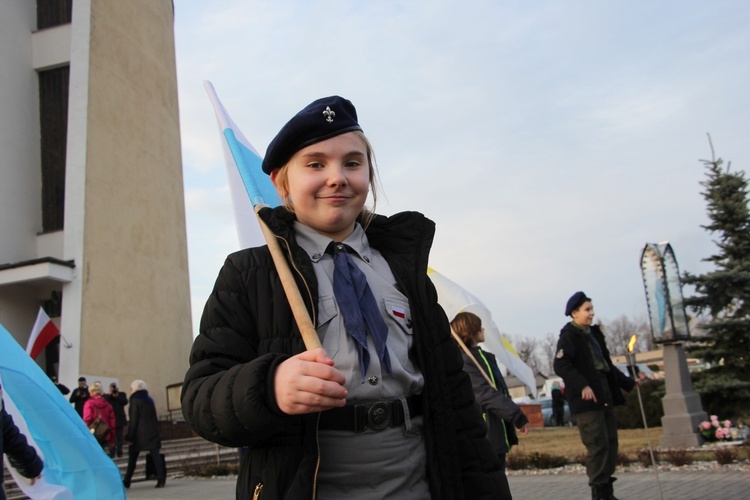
x=358 y=307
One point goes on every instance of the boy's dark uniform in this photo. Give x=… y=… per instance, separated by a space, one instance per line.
x=579 y=364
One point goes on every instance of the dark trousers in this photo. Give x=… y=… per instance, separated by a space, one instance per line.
x=133 y=458
x=558 y=415
x=504 y=493
x=598 y=431
x=118 y=443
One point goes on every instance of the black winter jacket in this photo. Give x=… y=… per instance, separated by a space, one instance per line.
x=503 y=415
x=21 y=454
x=575 y=364
x=143 y=428
x=247 y=330
x=118 y=403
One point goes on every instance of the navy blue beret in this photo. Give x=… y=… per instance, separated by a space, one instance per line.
x=575 y=301
x=320 y=120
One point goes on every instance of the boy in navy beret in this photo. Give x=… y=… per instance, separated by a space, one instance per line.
x=592 y=387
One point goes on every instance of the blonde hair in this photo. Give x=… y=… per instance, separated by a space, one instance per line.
x=367 y=214
x=467 y=325
x=95 y=388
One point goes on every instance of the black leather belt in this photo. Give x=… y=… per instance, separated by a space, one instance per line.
x=376 y=416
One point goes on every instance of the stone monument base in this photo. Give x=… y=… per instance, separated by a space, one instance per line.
x=683 y=411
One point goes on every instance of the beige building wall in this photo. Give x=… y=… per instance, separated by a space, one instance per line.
x=125 y=218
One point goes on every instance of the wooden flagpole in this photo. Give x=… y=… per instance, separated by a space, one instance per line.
x=467 y=351
x=301 y=315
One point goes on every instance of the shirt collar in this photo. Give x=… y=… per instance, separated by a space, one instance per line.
x=315 y=244
x=584 y=329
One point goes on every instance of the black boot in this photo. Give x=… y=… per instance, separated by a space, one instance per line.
x=599 y=492
x=161 y=482
x=611 y=489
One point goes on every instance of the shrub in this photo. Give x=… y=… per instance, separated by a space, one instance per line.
x=623 y=460
x=540 y=460
x=517 y=460
x=725 y=456
x=188 y=468
x=679 y=457
x=629 y=415
x=644 y=457
x=211 y=470
x=580 y=458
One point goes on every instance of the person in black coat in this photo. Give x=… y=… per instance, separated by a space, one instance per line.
x=62 y=388
x=253 y=384
x=502 y=415
x=118 y=400
x=143 y=433
x=22 y=456
x=592 y=387
x=558 y=406
x=80 y=395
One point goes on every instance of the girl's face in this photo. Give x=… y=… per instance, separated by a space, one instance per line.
x=479 y=336
x=327 y=184
x=584 y=315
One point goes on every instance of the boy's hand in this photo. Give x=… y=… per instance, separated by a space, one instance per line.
x=588 y=393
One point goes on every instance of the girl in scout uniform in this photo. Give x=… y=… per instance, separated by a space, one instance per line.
x=383 y=408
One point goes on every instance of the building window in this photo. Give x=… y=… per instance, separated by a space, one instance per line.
x=53 y=115
x=51 y=13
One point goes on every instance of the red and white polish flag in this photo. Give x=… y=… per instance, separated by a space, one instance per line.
x=43 y=333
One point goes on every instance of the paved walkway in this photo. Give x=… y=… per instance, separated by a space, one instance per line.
x=675 y=485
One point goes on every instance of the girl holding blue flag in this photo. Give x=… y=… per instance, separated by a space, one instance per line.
x=383 y=409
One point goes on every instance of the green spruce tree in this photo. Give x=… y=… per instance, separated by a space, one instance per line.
x=724 y=294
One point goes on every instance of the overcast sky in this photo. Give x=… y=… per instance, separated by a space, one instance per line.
x=549 y=141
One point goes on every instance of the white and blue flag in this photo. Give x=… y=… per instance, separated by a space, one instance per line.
x=75 y=466
x=249 y=186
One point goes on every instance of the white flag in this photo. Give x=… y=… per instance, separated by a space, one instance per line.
x=454 y=299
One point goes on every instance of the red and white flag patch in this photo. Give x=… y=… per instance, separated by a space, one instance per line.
x=399 y=312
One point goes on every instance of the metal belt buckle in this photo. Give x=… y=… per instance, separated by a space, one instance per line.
x=379 y=416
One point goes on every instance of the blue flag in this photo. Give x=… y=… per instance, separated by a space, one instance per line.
x=72 y=457
x=249 y=186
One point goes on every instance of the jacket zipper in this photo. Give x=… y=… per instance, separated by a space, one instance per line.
x=314 y=322
x=258 y=490
x=302 y=278
x=317 y=458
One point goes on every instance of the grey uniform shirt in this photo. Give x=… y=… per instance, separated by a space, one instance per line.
x=386 y=464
